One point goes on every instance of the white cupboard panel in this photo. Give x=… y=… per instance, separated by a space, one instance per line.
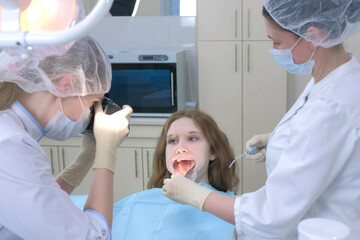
x=220 y=95
x=148 y=158
x=253 y=21
x=219 y=19
x=52 y=153
x=264 y=103
x=128 y=178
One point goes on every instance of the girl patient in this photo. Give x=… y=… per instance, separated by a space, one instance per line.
x=189 y=139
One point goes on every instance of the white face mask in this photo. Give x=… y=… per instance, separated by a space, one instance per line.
x=284 y=58
x=61 y=128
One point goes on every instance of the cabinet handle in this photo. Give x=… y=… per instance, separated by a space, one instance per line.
x=248 y=27
x=248 y=58
x=136 y=165
x=52 y=161
x=147 y=163
x=236 y=23
x=63 y=157
x=236 y=58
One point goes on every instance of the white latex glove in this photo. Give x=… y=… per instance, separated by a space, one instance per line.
x=260 y=141
x=77 y=170
x=109 y=131
x=185 y=191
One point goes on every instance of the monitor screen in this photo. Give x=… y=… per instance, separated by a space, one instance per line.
x=145 y=89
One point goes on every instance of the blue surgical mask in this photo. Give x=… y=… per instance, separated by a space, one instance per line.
x=284 y=58
x=61 y=128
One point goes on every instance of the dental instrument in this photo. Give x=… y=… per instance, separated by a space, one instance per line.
x=250 y=150
x=191 y=174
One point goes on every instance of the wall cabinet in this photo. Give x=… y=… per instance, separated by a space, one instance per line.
x=53 y=156
x=253 y=27
x=220 y=85
x=128 y=178
x=239 y=83
x=219 y=20
x=133 y=164
x=148 y=157
x=230 y=20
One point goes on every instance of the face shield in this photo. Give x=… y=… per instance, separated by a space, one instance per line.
x=83 y=70
x=335 y=19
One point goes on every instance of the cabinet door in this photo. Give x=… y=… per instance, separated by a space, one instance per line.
x=148 y=158
x=52 y=153
x=219 y=20
x=264 y=102
x=351 y=44
x=128 y=178
x=220 y=87
x=253 y=21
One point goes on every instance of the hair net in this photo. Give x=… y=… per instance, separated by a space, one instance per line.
x=83 y=70
x=336 y=19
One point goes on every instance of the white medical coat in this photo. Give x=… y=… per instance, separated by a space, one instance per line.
x=313 y=162
x=32 y=205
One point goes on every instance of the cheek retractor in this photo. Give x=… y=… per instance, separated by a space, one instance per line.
x=191 y=173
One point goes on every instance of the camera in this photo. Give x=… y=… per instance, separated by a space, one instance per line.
x=109 y=107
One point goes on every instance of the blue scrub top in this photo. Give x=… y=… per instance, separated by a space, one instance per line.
x=149 y=215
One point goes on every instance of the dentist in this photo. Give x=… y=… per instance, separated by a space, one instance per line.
x=313 y=155
x=53 y=98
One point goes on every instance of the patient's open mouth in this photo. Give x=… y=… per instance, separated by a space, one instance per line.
x=182 y=166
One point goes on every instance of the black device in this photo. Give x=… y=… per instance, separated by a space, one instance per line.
x=109 y=107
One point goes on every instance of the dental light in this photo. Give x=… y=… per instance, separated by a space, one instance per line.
x=29 y=25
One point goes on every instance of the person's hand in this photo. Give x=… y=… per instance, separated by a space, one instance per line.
x=185 y=191
x=260 y=141
x=109 y=131
x=77 y=170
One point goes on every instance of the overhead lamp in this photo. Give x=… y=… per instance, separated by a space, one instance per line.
x=37 y=27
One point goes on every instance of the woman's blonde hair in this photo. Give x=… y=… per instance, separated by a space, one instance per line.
x=220 y=176
x=9 y=93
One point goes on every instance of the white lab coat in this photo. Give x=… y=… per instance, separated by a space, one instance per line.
x=32 y=205
x=313 y=162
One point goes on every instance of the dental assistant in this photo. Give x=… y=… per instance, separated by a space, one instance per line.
x=313 y=154
x=52 y=98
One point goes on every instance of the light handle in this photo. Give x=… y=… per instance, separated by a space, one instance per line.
x=79 y=30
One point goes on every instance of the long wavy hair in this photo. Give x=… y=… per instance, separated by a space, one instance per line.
x=220 y=176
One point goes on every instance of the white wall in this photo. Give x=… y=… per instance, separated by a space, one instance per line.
x=148 y=33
